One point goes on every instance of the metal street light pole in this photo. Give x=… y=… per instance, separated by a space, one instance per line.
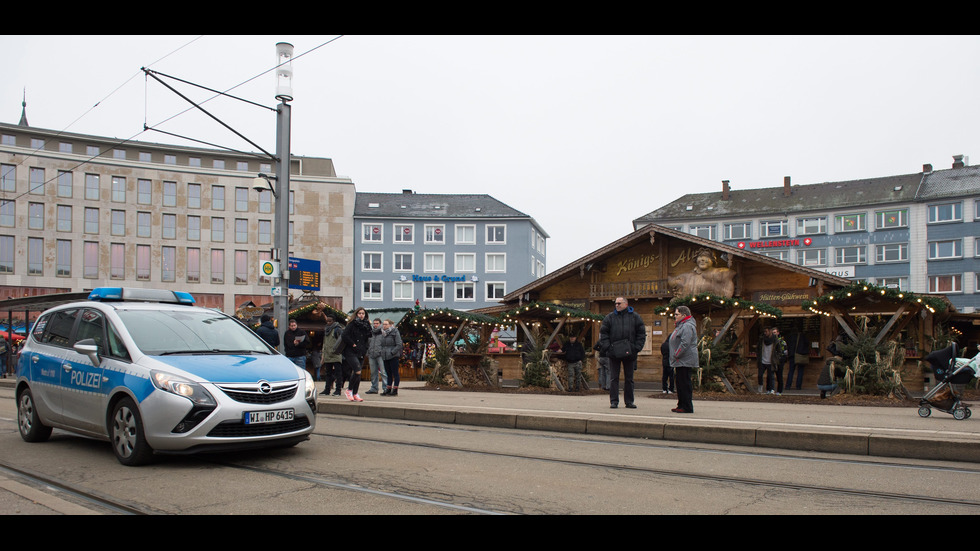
x=284 y=93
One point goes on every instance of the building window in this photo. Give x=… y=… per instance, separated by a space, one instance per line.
x=773 y=228
x=217 y=197
x=8 y=178
x=193 y=265
x=241 y=199
x=946 y=283
x=888 y=219
x=404 y=233
x=64 y=218
x=779 y=255
x=168 y=228
x=370 y=262
x=945 y=250
x=434 y=290
x=851 y=255
x=496 y=290
x=217 y=266
x=62 y=262
x=6 y=254
x=496 y=262
x=435 y=262
x=143 y=262
x=118 y=222
x=193 y=228
x=118 y=153
x=8 y=213
x=117 y=261
x=893 y=252
x=168 y=263
x=35 y=216
x=265 y=201
x=705 y=231
x=402 y=290
x=465 y=291
x=118 y=189
x=170 y=194
x=465 y=262
x=947 y=212
x=90 y=259
x=64 y=183
x=92 y=187
x=496 y=234
x=898 y=283
x=169 y=159
x=241 y=267
x=193 y=161
x=144 y=191
x=435 y=234
x=370 y=290
x=812 y=257
x=143 y=227
x=193 y=196
x=217 y=229
x=265 y=232
x=91 y=220
x=37 y=181
x=241 y=230
x=35 y=256
x=371 y=233
x=402 y=262
x=849 y=222
x=466 y=234
x=739 y=230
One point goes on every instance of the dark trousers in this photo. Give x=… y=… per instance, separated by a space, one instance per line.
x=668 y=378
x=799 y=374
x=332 y=372
x=685 y=389
x=627 y=364
x=391 y=368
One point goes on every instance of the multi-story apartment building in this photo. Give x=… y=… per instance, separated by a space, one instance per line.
x=444 y=250
x=918 y=232
x=80 y=211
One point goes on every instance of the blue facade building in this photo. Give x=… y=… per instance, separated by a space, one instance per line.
x=442 y=250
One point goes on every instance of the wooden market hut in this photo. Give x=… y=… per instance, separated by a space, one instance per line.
x=549 y=318
x=444 y=327
x=655 y=265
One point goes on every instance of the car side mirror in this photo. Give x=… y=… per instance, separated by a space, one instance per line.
x=87 y=347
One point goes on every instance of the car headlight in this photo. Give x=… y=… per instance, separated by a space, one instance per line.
x=310 y=385
x=168 y=382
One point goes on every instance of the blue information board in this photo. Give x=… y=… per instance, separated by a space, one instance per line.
x=304 y=274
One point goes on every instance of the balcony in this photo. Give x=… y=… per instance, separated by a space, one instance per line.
x=656 y=288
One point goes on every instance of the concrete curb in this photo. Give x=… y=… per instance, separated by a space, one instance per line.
x=869 y=443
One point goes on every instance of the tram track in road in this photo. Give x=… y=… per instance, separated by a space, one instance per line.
x=63 y=497
x=599 y=463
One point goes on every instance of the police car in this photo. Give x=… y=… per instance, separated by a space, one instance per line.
x=151 y=373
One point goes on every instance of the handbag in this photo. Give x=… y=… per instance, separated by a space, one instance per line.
x=800 y=359
x=620 y=349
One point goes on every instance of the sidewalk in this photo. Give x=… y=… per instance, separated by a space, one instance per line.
x=858 y=430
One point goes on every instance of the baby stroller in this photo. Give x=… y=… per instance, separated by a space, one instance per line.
x=949 y=371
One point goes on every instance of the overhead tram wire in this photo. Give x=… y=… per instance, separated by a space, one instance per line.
x=125 y=140
x=80 y=117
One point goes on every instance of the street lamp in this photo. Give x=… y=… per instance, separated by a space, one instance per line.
x=280 y=192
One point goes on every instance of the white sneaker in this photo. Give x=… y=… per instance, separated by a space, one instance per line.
x=350 y=395
x=357 y=398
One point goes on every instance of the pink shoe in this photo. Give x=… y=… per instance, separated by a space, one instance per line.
x=357 y=398
x=350 y=395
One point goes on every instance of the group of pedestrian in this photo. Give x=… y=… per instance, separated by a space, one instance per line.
x=622 y=335
x=772 y=352
x=343 y=351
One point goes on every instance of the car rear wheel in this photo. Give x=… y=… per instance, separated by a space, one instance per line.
x=126 y=434
x=30 y=425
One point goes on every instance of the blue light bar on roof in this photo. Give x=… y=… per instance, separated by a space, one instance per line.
x=105 y=294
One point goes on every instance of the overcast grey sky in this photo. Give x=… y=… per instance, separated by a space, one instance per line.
x=583 y=133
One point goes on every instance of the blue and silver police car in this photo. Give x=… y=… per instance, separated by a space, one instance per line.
x=151 y=373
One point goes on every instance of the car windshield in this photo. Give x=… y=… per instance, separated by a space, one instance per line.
x=158 y=332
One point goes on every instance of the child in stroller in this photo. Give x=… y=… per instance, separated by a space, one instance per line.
x=949 y=371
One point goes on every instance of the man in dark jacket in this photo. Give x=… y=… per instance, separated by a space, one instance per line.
x=574 y=354
x=295 y=344
x=268 y=331
x=622 y=335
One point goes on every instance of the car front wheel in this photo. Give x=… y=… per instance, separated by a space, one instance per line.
x=30 y=425
x=126 y=434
